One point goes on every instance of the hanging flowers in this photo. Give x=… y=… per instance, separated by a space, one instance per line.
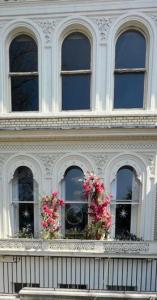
x=99 y=212
x=50 y=206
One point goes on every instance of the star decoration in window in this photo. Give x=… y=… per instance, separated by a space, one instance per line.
x=123 y=213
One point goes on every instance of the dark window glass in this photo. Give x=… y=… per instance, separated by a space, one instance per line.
x=25 y=184
x=76 y=56
x=26 y=217
x=76 y=216
x=76 y=52
x=123 y=220
x=124 y=183
x=76 y=219
x=129 y=83
x=25 y=189
x=24 y=74
x=130 y=50
x=24 y=91
x=73 y=184
x=129 y=90
x=23 y=54
x=75 y=92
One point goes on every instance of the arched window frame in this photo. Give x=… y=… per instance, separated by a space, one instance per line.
x=63 y=188
x=138 y=164
x=15 y=202
x=133 y=70
x=135 y=205
x=141 y=22
x=11 y=31
x=25 y=73
x=10 y=167
x=85 y=26
x=77 y=72
x=11 y=74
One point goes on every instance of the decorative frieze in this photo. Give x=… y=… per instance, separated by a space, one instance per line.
x=82 y=246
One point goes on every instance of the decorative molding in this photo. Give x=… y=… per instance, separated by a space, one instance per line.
x=154 y=17
x=100 y=161
x=82 y=246
x=104 y=24
x=48 y=27
x=48 y=162
x=150 y=161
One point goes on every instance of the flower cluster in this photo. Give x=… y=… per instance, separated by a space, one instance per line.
x=99 y=213
x=50 y=206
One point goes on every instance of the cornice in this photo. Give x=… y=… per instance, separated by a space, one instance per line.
x=78 y=135
x=29 y=7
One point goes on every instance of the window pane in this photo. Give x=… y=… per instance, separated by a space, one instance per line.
x=124 y=183
x=23 y=54
x=130 y=50
x=123 y=219
x=25 y=184
x=26 y=217
x=73 y=185
x=76 y=52
x=75 y=92
x=24 y=91
x=76 y=219
x=128 y=91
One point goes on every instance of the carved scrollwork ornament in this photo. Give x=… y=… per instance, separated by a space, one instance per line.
x=48 y=27
x=104 y=24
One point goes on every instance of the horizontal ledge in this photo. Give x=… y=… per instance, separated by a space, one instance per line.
x=84 y=294
x=75 y=72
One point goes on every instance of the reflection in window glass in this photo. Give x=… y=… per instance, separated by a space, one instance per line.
x=74 y=88
x=129 y=90
x=125 y=183
x=76 y=216
x=23 y=54
x=24 y=91
x=73 y=184
x=24 y=74
x=76 y=73
x=130 y=70
x=130 y=50
x=76 y=52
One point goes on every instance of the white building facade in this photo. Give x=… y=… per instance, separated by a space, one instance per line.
x=78 y=93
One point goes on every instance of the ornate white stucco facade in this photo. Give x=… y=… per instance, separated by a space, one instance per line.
x=101 y=139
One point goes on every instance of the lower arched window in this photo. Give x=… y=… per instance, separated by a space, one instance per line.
x=23 y=194
x=126 y=203
x=75 y=215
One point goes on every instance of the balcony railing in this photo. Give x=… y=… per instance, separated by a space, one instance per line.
x=85 y=265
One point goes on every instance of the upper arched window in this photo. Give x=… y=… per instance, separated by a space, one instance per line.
x=127 y=199
x=130 y=56
x=76 y=72
x=23 y=73
x=76 y=207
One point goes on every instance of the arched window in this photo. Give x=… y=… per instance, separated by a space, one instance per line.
x=23 y=73
x=127 y=200
x=76 y=72
x=130 y=70
x=75 y=214
x=23 y=188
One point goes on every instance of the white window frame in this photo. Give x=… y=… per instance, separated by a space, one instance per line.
x=15 y=203
x=135 y=206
